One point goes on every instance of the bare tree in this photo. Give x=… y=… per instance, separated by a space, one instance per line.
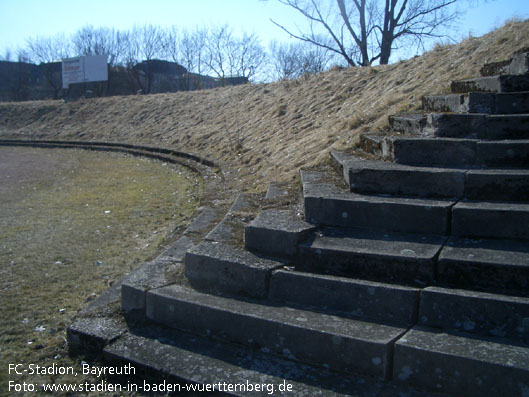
x=192 y=49
x=364 y=31
x=246 y=56
x=49 y=52
x=230 y=56
x=100 y=41
x=292 y=60
x=143 y=45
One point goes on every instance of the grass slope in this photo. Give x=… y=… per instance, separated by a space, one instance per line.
x=266 y=132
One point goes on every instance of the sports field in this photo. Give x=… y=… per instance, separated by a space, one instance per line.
x=72 y=223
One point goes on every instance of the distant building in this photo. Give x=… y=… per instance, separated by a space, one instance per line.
x=21 y=81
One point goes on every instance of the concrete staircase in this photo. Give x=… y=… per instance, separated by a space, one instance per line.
x=408 y=273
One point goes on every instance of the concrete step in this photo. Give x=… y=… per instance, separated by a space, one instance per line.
x=224 y=268
x=518 y=64
x=491 y=220
x=503 y=153
x=336 y=343
x=464 y=126
x=478 y=126
x=478 y=102
x=327 y=203
x=362 y=299
x=462 y=364
x=408 y=123
x=500 y=265
x=380 y=177
x=381 y=256
x=498 y=83
x=497 y=185
x=427 y=152
x=449 y=152
x=474 y=312
x=182 y=363
x=276 y=233
x=231 y=228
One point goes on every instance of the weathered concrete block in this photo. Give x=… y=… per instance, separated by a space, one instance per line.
x=203 y=222
x=275 y=190
x=327 y=204
x=382 y=256
x=135 y=286
x=385 y=303
x=228 y=269
x=500 y=83
x=177 y=251
x=337 y=343
x=408 y=123
x=510 y=126
x=178 y=357
x=503 y=153
x=445 y=103
x=90 y=335
x=510 y=103
x=475 y=312
x=451 y=125
x=493 y=264
x=491 y=220
x=440 y=152
x=276 y=232
x=497 y=185
x=519 y=64
x=478 y=102
x=381 y=177
x=461 y=365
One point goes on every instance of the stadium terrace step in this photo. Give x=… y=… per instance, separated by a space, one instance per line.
x=498 y=265
x=379 y=302
x=499 y=83
x=503 y=153
x=518 y=64
x=448 y=152
x=473 y=312
x=327 y=203
x=276 y=233
x=478 y=102
x=224 y=268
x=462 y=364
x=241 y=212
x=396 y=179
x=425 y=152
x=408 y=123
x=381 y=177
x=381 y=256
x=333 y=342
x=189 y=363
x=467 y=126
x=491 y=220
x=497 y=185
x=378 y=177
x=478 y=126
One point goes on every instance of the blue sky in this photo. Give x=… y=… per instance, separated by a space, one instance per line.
x=30 y=18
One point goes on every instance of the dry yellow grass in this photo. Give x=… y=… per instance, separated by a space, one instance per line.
x=266 y=132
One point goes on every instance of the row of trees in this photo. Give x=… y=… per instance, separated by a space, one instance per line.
x=346 y=32
x=217 y=51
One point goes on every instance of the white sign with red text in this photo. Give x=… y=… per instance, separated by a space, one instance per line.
x=84 y=69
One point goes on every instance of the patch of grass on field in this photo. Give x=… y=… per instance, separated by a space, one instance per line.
x=65 y=241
